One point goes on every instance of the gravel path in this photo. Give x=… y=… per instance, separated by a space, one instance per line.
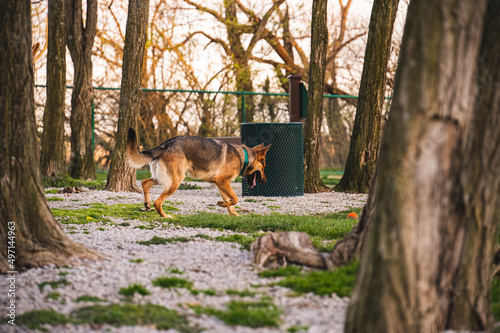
x=208 y=264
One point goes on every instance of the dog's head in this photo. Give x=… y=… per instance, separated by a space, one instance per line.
x=255 y=171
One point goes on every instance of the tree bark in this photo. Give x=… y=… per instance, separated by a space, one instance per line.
x=80 y=41
x=365 y=139
x=53 y=157
x=38 y=239
x=121 y=176
x=428 y=257
x=319 y=44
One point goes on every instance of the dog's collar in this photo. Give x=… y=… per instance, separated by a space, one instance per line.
x=245 y=164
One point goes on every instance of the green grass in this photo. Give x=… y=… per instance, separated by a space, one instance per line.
x=297 y=328
x=55 y=199
x=290 y=270
x=172 y=282
x=87 y=298
x=69 y=182
x=244 y=241
x=242 y=293
x=324 y=283
x=131 y=314
x=35 y=319
x=208 y=292
x=160 y=240
x=137 y=261
x=175 y=271
x=132 y=289
x=250 y=314
x=495 y=298
x=99 y=212
x=53 y=191
x=186 y=186
x=53 y=295
x=53 y=284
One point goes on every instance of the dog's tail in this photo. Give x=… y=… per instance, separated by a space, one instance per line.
x=135 y=158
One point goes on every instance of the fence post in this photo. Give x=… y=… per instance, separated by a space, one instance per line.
x=243 y=107
x=294 y=102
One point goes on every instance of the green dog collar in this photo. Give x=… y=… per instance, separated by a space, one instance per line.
x=246 y=162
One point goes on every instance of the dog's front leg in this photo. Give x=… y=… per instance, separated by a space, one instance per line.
x=229 y=198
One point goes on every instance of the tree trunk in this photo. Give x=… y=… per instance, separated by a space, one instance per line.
x=428 y=256
x=319 y=44
x=338 y=133
x=121 y=176
x=80 y=41
x=38 y=239
x=53 y=157
x=365 y=139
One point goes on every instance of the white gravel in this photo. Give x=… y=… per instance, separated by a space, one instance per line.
x=208 y=264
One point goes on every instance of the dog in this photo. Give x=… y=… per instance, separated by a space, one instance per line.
x=207 y=159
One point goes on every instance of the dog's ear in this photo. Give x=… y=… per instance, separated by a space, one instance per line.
x=259 y=146
x=260 y=150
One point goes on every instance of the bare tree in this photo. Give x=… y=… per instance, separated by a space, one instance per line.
x=319 y=44
x=121 y=176
x=80 y=40
x=365 y=139
x=26 y=222
x=53 y=153
x=427 y=259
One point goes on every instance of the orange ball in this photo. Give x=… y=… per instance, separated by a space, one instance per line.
x=353 y=215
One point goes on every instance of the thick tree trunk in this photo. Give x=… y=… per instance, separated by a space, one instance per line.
x=365 y=139
x=428 y=256
x=38 y=240
x=53 y=157
x=319 y=44
x=121 y=176
x=80 y=41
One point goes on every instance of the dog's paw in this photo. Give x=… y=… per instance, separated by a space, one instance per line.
x=147 y=206
x=222 y=203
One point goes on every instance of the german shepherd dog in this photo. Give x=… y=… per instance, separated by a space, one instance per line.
x=207 y=159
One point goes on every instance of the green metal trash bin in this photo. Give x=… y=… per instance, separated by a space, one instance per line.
x=284 y=161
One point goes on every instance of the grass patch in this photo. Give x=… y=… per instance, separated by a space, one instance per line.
x=131 y=315
x=53 y=191
x=208 y=292
x=202 y=236
x=87 y=298
x=137 y=261
x=340 y=281
x=99 y=212
x=250 y=314
x=329 y=227
x=243 y=293
x=186 y=186
x=160 y=240
x=290 y=270
x=495 y=298
x=69 y=182
x=53 y=295
x=172 y=282
x=132 y=289
x=35 y=319
x=297 y=328
x=243 y=240
x=53 y=284
x=175 y=271
x=55 y=199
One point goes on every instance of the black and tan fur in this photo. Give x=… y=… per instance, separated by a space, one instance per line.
x=207 y=159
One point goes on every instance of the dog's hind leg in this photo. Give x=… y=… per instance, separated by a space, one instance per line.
x=146 y=186
x=175 y=177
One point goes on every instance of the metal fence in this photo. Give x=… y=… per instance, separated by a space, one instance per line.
x=165 y=113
